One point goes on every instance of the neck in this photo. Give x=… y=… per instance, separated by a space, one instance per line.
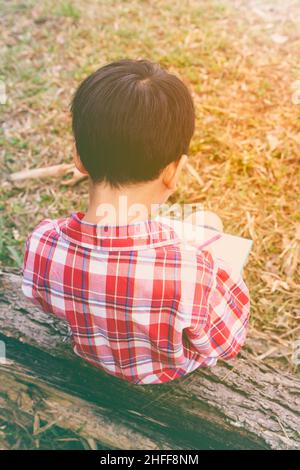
x=122 y=206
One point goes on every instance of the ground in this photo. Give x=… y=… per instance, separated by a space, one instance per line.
x=240 y=58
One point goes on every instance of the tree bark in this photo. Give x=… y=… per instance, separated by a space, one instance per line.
x=239 y=404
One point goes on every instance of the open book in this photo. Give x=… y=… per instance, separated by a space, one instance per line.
x=232 y=249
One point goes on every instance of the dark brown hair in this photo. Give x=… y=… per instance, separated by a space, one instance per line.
x=130 y=119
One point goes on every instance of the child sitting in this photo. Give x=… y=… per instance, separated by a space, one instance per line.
x=140 y=304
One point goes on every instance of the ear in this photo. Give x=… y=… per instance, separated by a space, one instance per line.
x=78 y=162
x=172 y=171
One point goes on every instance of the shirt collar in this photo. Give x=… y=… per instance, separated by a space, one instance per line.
x=144 y=234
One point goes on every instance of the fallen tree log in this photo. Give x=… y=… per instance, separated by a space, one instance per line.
x=239 y=404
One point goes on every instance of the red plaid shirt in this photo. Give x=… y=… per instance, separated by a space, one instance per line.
x=140 y=304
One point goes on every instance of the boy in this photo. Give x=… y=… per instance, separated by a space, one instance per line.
x=140 y=304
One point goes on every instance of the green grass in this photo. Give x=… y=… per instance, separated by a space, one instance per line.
x=68 y=10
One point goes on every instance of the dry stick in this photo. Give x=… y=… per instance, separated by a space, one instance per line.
x=283 y=429
x=275 y=348
x=50 y=171
x=55 y=170
x=267 y=353
x=194 y=173
x=288 y=333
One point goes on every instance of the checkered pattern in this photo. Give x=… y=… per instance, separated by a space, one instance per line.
x=140 y=304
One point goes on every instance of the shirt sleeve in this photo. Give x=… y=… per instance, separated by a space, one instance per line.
x=27 y=271
x=223 y=332
x=36 y=286
x=28 y=274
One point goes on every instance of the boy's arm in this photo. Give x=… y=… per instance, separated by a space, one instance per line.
x=28 y=287
x=223 y=332
x=232 y=249
x=35 y=272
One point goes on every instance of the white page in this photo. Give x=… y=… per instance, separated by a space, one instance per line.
x=232 y=249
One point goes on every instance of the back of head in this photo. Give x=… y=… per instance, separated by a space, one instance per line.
x=130 y=119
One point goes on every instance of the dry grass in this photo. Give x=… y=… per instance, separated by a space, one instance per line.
x=241 y=60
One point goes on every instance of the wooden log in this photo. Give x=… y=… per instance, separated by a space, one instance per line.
x=239 y=404
x=32 y=397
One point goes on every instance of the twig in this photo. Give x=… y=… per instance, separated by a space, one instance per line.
x=194 y=173
x=50 y=171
